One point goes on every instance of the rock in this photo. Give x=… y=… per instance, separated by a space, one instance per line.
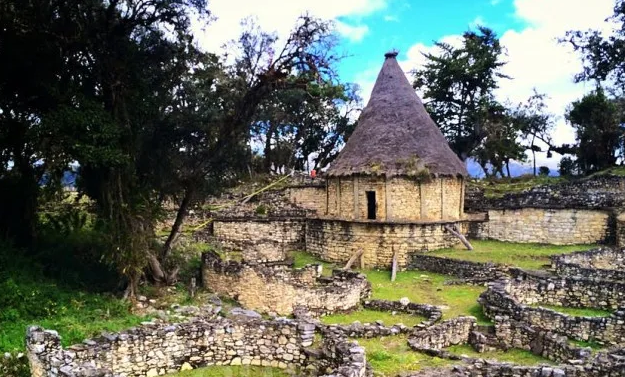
x=240 y=312
x=185 y=366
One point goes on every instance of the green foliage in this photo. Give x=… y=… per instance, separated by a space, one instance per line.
x=28 y=297
x=498 y=187
x=567 y=167
x=544 y=171
x=14 y=365
x=459 y=86
x=522 y=255
x=597 y=122
x=261 y=210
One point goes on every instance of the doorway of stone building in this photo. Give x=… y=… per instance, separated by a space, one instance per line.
x=371 y=205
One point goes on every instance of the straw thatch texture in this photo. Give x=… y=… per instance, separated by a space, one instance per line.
x=395 y=134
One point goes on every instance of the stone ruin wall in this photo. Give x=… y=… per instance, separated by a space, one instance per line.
x=261 y=239
x=467 y=270
x=515 y=334
x=156 y=349
x=280 y=289
x=579 y=212
x=447 y=333
x=512 y=298
x=338 y=240
x=603 y=263
x=398 y=198
x=541 y=225
x=309 y=197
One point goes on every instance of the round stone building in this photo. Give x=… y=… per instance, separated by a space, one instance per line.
x=396 y=187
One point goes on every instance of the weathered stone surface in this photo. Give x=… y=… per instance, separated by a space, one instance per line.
x=281 y=289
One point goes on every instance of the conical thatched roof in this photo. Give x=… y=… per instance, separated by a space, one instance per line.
x=395 y=135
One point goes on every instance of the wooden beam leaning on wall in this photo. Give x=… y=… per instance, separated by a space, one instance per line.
x=394 y=265
x=451 y=229
x=356 y=255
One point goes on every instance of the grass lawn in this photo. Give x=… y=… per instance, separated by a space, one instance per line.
x=76 y=315
x=428 y=288
x=576 y=312
x=497 y=188
x=235 y=371
x=419 y=286
x=390 y=356
x=370 y=316
x=516 y=356
x=523 y=255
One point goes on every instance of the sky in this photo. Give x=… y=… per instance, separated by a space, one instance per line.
x=528 y=30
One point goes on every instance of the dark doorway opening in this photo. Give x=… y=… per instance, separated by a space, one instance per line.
x=371 y=205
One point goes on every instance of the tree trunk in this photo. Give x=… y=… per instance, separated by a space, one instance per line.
x=508 y=169
x=534 y=154
x=176 y=228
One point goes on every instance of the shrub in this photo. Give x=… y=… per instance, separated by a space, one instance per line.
x=543 y=171
x=14 y=365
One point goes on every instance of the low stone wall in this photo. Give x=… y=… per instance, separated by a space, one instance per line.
x=599 y=192
x=603 y=264
x=456 y=267
x=544 y=225
x=498 y=300
x=281 y=289
x=157 y=349
x=448 y=333
x=515 y=334
x=309 y=197
x=337 y=240
x=261 y=239
x=620 y=231
x=374 y=330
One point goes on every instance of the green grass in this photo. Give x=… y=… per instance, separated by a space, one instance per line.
x=497 y=188
x=615 y=170
x=302 y=258
x=235 y=371
x=428 y=288
x=420 y=287
x=589 y=344
x=390 y=356
x=529 y=256
x=576 y=312
x=516 y=356
x=370 y=316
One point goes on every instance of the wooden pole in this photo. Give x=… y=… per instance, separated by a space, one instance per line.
x=394 y=266
x=462 y=238
x=353 y=258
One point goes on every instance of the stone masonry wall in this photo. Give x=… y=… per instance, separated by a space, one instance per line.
x=599 y=192
x=447 y=333
x=550 y=226
x=337 y=240
x=603 y=264
x=397 y=199
x=264 y=239
x=498 y=301
x=280 y=289
x=515 y=334
x=309 y=197
x=157 y=349
x=456 y=267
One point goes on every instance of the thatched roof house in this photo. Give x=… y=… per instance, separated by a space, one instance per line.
x=397 y=165
x=395 y=135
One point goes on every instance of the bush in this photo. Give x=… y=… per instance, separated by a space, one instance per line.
x=14 y=365
x=543 y=171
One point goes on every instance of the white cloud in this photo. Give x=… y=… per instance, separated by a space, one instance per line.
x=495 y=2
x=536 y=59
x=353 y=33
x=478 y=21
x=276 y=15
x=389 y=18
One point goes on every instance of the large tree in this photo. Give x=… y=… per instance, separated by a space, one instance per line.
x=599 y=132
x=458 y=85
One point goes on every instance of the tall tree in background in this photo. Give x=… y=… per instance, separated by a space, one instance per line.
x=534 y=125
x=458 y=85
x=599 y=131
